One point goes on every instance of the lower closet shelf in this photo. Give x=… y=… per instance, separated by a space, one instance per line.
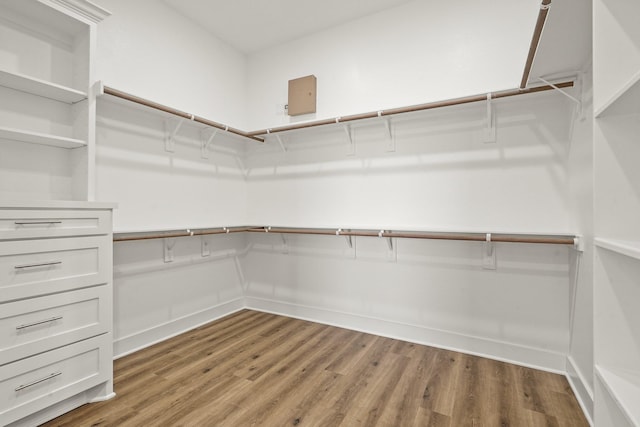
x=629 y=248
x=625 y=390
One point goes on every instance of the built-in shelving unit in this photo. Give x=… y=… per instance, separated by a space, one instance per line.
x=40 y=138
x=41 y=87
x=46 y=72
x=624 y=101
x=616 y=64
x=624 y=247
x=624 y=388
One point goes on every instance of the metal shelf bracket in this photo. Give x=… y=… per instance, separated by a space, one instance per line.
x=489 y=133
x=206 y=141
x=171 y=127
x=489 y=254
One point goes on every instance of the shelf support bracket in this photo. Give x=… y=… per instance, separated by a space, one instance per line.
x=489 y=254
x=284 y=149
x=204 y=243
x=351 y=151
x=206 y=142
x=171 y=128
x=578 y=243
x=489 y=133
x=391 y=141
x=168 y=249
x=578 y=102
x=285 y=244
x=349 y=239
x=392 y=253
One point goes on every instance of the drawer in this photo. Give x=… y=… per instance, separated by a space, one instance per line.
x=37 y=382
x=36 y=223
x=31 y=268
x=36 y=325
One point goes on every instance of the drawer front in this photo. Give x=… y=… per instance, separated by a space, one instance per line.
x=38 y=267
x=34 y=224
x=36 y=325
x=37 y=382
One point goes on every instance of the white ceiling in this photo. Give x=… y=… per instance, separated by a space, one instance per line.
x=253 y=25
x=565 y=46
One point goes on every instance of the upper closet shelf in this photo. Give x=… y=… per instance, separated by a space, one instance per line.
x=40 y=87
x=624 y=101
x=40 y=138
x=629 y=248
x=624 y=387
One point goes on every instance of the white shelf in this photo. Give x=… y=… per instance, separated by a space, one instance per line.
x=625 y=101
x=629 y=248
x=625 y=390
x=40 y=138
x=40 y=87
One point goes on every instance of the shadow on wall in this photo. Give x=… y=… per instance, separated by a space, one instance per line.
x=133 y=139
x=531 y=131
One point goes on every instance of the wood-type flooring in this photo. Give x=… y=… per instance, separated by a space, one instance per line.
x=259 y=369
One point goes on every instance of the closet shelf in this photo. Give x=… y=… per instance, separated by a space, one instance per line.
x=40 y=87
x=625 y=101
x=629 y=248
x=261 y=135
x=556 y=239
x=625 y=390
x=40 y=138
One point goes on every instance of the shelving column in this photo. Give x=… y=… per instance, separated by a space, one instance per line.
x=616 y=62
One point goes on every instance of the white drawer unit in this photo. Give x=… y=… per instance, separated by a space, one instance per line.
x=34 y=383
x=30 y=224
x=56 y=308
x=37 y=267
x=36 y=325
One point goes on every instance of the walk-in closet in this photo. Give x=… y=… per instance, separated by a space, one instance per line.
x=304 y=213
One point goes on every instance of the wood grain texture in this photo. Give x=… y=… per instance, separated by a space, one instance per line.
x=259 y=369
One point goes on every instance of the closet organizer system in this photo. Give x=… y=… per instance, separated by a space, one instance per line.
x=261 y=135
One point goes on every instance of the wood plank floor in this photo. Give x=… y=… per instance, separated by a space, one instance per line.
x=259 y=369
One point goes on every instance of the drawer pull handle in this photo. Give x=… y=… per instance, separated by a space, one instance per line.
x=28 y=325
x=36 y=222
x=41 y=264
x=32 y=383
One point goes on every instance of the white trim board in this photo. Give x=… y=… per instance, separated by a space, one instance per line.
x=497 y=350
x=148 y=337
x=581 y=388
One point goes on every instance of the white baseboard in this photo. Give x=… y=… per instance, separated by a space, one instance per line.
x=581 y=388
x=139 y=340
x=499 y=350
x=60 y=408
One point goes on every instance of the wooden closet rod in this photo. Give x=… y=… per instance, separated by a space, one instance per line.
x=148 y=235
x=151 y=104
x=535 y=41
x=477 y=237
x=410 y=109
x=255 y=135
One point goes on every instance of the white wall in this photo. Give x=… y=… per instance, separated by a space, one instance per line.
x=156 y=189
x=440 y=177
x=419 y=52
x=154 y=300
x=147 y=49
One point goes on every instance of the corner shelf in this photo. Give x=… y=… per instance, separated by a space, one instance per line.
x=40 y=87
x=40 y=138
x=629 y=248
x=625 y=101
x=624 y=388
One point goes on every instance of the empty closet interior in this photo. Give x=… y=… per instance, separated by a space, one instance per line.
x=467 y=181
